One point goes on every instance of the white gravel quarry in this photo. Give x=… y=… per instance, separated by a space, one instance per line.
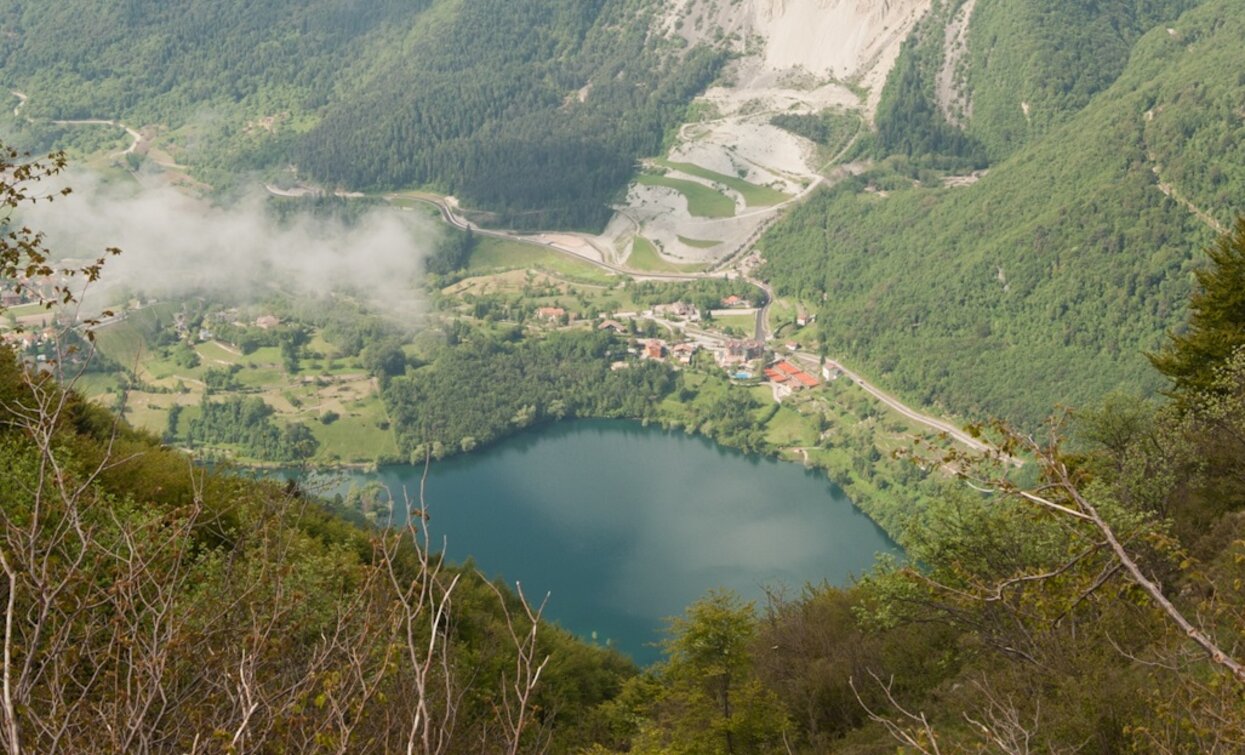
x=795 y=56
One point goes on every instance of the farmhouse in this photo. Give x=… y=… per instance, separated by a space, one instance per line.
x=685 y=351
x=612 y=325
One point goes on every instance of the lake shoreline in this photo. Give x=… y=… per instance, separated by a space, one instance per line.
x=626 y=524
x=846 y=479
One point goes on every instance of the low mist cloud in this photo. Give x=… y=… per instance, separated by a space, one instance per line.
x=174 y=244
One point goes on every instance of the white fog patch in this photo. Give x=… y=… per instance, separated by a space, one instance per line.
x=173 y=244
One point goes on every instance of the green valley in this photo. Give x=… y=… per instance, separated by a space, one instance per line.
x=705 y=377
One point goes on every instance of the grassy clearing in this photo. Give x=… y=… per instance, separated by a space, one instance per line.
x=360 y=434
x=122 y=342
x=492 y=254
x=754 y=195
x=25 y=310
x=790 y=428
x=745 y=323
x=93 y=385
x=357 y=435
x=699 y=243
x=644 y=256
x=214 y=352
x=782 y=318
x=702 y=201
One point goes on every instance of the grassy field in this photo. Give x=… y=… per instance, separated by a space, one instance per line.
x=790 y=428
x=25 y=310
x=492 y=254
x=702 y=201
x=360 y=434
x=216 y=353
x=357 y=436
x=753 y=194
x=699 y=243
x=745 y=323
x=644 y=256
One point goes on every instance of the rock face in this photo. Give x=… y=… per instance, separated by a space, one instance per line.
x=849 y=40
x=794 y=56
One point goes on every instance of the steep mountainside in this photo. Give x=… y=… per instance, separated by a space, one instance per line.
x=536 y=110
x=1007 y=72
x=1043 y=282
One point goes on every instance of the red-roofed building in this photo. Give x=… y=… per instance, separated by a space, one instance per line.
x=807 y=380
x=550 y=313
x=789 y=378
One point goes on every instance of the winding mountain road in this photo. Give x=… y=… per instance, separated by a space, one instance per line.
x=452 y=218
x=762 y=332
x=813 y=362
x=134 y=135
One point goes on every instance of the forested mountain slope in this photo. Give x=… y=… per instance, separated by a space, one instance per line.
x=535 y=109
x=1042 y=283
x=1007 y=72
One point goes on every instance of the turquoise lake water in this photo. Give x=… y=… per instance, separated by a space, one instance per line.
x=626 y=525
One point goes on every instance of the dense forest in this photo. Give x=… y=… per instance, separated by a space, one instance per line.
x=535 y=111
x=1043 y=282
x=489 y=386
x=1026 y=68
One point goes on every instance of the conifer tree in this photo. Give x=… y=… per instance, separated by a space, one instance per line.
x=1217 y=324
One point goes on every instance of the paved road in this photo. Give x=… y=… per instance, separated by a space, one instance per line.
x=762 y=332
x=813 y=362
x=762 y=328
x=453 y=218
x=810 y=360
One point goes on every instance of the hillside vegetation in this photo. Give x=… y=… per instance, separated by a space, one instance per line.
x=536 y=111
x=1022 y=69
x=191 y=610
x=1043 y=282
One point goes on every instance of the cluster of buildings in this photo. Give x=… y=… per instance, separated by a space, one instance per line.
x=25 y=289
x=787 y=378
x=744 y=358
x=28 y=340
x=658 y=349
